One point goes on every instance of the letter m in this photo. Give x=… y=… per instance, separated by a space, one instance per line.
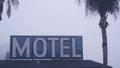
x=20 y=48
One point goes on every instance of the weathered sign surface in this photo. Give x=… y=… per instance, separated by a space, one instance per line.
x=46 y=47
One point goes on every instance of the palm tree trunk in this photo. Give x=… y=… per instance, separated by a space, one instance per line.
x=104 y=46
x=103 y=25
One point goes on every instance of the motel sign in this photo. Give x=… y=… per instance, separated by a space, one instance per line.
x=46 y=47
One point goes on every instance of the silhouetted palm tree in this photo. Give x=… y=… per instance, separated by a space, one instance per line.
x=103 y=8
x=15 y=3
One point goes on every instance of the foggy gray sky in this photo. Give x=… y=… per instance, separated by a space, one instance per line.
x=61 y=17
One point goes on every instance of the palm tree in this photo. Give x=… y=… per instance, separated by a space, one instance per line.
x=103 y=8
x=15 y=3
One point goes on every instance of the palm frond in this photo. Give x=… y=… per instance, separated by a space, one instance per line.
x=15 y=3
x=102 y=7
x=9 y=9
x=1 y=8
